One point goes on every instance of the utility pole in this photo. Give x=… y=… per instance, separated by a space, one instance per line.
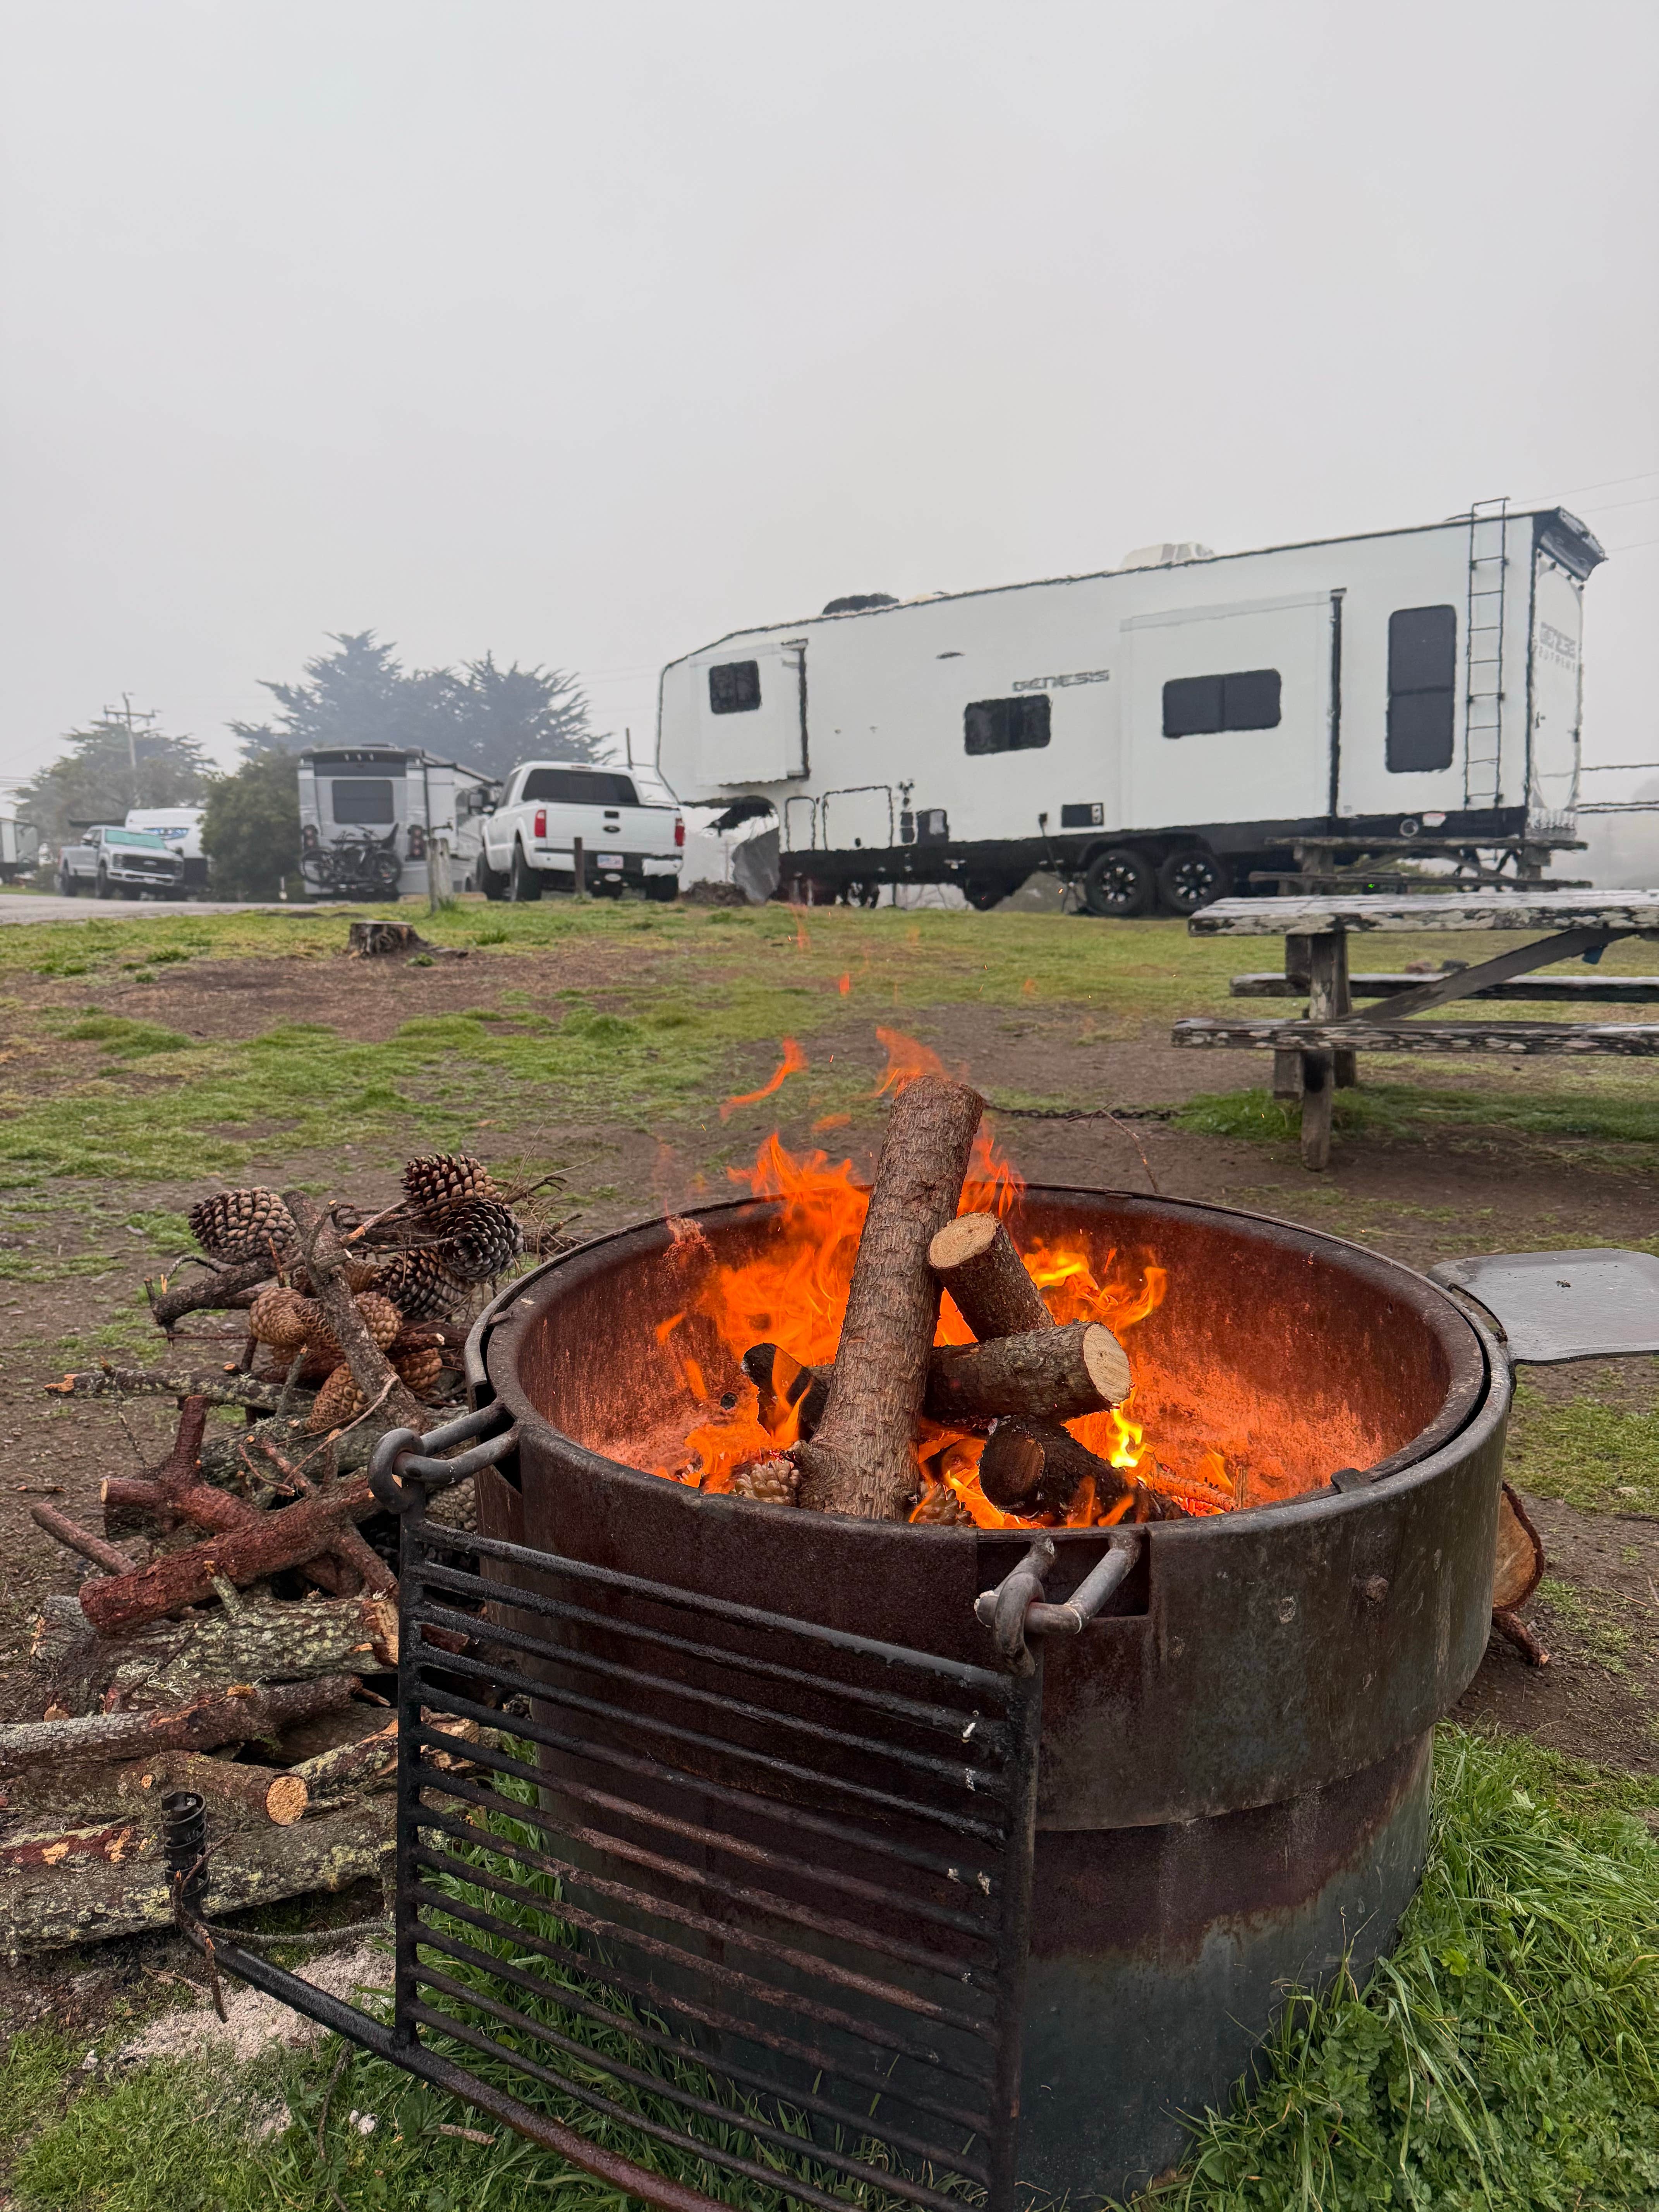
x=128 y=721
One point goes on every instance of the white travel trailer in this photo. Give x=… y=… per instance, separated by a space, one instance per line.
x=1153 y=730
x=369 y=815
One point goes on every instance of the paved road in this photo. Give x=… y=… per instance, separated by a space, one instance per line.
x=29 y=906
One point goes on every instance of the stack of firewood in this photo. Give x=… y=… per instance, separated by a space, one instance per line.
x=229 y=1638
x=848 y=1435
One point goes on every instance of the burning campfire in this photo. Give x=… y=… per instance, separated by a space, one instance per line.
x=930 y=1369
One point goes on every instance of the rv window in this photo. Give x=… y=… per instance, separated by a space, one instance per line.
x=1006 y=725
x=362 y=798
x=1202 y=705
x=734 y=688
x=1422 y=689
x=578 y=787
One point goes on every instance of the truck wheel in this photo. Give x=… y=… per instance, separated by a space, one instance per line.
x=1118 y=885
x=103 y=888
x=1190 y=879
x=525 y=883
x=67 y=885
x=491 y=882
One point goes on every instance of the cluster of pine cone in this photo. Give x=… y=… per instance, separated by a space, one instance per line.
x=453 y=1230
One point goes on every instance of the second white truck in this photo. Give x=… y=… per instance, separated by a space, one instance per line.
x=631 y=827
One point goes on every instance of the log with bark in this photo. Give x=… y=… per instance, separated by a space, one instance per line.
x=862 y=1461
x=240 y=1714
x=1048 y=1374
x=217 y=1286
x=45 y=1908
x=975 y=1260
x=109 y=1557
x=1036 y=1469
x=239 y=1640
x=219 y=1388
x=259 y=1793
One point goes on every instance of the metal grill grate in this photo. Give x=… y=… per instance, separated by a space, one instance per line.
x=740 y=1900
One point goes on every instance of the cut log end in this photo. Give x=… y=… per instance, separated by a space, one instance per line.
x=973 y=1258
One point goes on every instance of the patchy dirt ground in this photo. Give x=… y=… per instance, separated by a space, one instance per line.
x=86 y=1245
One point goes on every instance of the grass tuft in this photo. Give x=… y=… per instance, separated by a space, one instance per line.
x=1602 y=1459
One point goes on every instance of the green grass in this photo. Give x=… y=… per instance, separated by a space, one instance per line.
x=1600 y=1458
x=1504 y=2057
x=1606 y=1107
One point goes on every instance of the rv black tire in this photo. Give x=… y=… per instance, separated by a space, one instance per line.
x=662 y=888
x=527 y=884
x=1118 y=885
x=1191 y=878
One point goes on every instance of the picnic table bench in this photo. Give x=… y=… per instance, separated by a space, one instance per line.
x=1317 y=1055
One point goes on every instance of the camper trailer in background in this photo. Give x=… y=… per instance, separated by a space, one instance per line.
x=19 y=847
x=370 y=814
x=1153 y=730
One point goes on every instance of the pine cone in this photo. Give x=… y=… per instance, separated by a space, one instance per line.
x=483 y=1239
x=361 y=1273
x=282 y=1318
x=338 y=1402
x=382 y=1319
x=419 y=1285
x=940 y=1508
x=242 y=1225
x=421 y=1370
x=768 y=1482
x=440 y=1180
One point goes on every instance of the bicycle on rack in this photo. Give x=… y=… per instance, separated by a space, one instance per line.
x=359 y=864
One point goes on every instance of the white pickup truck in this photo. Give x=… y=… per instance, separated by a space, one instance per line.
x=131 y=861
x=632 y=832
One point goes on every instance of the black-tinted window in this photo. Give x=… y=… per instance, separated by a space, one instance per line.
x=1006 y=725
x=1422 y=689
x=1202 y=705
x=578 y=787
x=366 y=798
x=734 y=688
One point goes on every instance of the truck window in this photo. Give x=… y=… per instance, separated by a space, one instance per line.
x=1204 y=706
x=366 y=799
x=1422 y=689
x=578 y=787
x=734 y=688
x=1005 y=725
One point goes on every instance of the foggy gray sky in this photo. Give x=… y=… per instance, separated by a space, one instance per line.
x=587 y=333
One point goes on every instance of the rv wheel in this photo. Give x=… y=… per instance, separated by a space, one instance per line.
x=1190 y=879
x=1118 y=885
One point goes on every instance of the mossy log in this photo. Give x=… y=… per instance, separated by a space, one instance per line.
x=238 y=1641
x=238 y=1714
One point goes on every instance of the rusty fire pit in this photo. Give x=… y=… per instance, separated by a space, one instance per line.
x=1232 y=1783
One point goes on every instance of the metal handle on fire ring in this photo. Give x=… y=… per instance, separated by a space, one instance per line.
x=402 y=1454
x=1016 y=1608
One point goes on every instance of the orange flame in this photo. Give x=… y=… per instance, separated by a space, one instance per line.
x=844 y=985
x=793 y=1063
x=994 y=1182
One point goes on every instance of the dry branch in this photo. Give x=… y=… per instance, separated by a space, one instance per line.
x=862 y=1461
x=218 y=1390
x=233 y=1716
x=374 y=1374
x=266 y=1793
x=366 y=1760
x=214 y=1287
x=975 y=1260
x=109 y=1557
x=236 y=1641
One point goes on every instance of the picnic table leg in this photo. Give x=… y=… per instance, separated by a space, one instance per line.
x=1327 y=998
x=1287 y=1066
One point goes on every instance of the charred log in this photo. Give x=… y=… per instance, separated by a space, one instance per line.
x=1035 y=1468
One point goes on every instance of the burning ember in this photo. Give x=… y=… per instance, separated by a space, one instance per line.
x=777 y=1316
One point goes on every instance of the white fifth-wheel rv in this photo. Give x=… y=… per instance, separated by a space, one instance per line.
x=1159 y=731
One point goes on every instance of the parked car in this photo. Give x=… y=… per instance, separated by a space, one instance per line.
x=632 y=833
x=129 y=861
x=180 y=829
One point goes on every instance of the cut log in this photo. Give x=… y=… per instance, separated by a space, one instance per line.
x=234 y=1716
x=1518 y=1567
x=265 y=1793
x=1049 y=1374
x=326 y=1260
x=375 y=940
x=1033 y=1467
x=862 y=1461
x=109 y=1557
x=237 y=1641
x=351 y=1765
x=48 y=1907
x=975 y=1260
x=257 y=1546
x=106 y=1842
x=217 y=1389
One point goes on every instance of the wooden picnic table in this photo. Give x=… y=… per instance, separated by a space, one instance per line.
x=1317 y=1055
